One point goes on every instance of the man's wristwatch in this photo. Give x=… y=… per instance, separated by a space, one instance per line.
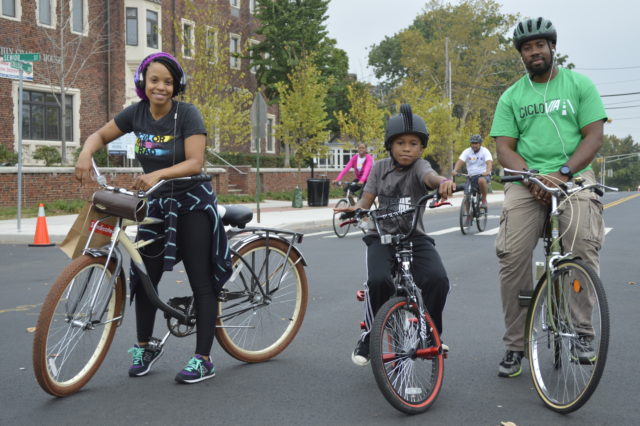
x=566 y=171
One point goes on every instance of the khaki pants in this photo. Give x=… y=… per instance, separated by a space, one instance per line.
x=521 y=226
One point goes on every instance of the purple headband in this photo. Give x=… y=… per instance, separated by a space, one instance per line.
x=143 y=66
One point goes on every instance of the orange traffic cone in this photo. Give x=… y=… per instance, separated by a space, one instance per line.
x=41 y=239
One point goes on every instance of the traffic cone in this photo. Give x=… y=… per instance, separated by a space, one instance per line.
x=41 y=239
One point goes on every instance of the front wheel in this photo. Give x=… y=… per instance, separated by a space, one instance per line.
x=408 y=373
x=481 y=214
x=568 y=336
x=340 y=231
x=73 y=334
x=466 y=215
x=262 y=306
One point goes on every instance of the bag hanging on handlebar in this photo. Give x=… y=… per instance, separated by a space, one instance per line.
x=121 y=205
x=78 y=234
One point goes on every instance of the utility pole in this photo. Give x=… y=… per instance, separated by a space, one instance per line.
x=447 y=85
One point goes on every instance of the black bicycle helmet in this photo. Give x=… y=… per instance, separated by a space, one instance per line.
x=533 y=28
x=475 y=139
x=405 y=122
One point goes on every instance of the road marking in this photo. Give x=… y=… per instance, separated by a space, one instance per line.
x=350 y=234
x=313 y=234
x=444 y=231
x=606 y=230
x=492 y=231
x=622 y=200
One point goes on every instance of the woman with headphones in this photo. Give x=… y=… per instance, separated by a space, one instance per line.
x=170 y=143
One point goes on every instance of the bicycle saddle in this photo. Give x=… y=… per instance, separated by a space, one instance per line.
x=237 y=216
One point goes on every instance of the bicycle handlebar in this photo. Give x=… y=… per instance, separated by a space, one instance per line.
x=532 y=175
x=102 y=181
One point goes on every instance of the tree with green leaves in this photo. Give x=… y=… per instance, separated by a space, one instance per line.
x=303 y=118
x=621 y=163
x=291 y=31
x=224 y=108
x=364 y=120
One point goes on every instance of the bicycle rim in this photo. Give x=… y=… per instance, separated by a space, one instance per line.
x=564 y=375
x=340 y=231
x=70 y=341
x=252 y=327
x=409 y=382
x=466 y=219
x=481 y=220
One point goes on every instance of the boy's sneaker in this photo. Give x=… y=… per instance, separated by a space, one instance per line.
x=510 y=366
x=143 y=359
x=583 y=350
x=360 y=355
x=196 y=370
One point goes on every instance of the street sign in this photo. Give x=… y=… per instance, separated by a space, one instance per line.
x=27 y=57
x=26 y=67
x=259 y=116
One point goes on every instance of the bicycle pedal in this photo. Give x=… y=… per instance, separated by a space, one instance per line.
x=360 y=295
x=363 y=325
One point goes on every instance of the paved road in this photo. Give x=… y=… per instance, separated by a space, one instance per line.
x=313 y=382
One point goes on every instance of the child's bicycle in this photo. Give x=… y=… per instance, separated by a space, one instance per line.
x=471 y=208
x=340 y=225
x=407 y=357
x=567 y=327
x=261 y=307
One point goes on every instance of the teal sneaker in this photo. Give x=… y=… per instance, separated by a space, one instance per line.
x=196 y=370
x=143 y=359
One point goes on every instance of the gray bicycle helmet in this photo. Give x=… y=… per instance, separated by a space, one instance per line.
x=475 y=139
x=533 y=28
x=405 y=122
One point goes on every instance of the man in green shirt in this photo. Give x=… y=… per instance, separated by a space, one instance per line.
x=550 y=120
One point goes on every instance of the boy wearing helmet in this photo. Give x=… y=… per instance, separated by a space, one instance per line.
x=550 y=120
x=479 y=164
x=398 y=182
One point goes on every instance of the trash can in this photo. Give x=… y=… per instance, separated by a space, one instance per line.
x=317 y=192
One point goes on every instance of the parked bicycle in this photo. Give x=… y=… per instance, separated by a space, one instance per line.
x=567 y=327
x=341 y=224
x=471 y=208
x=407 y=356
x=261 y=307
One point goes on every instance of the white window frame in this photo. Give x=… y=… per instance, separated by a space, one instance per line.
x=252 y=6
x=85 y=18
x=137 y=26
x=53 y=17
x=235 y=62
x=252 y=68
x=17 y=4
x=235 y=3
x=209 y=32
x=272 y=118
x=192 y=38
x=158 y=29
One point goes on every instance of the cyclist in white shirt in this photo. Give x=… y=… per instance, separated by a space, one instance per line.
x=479 y=163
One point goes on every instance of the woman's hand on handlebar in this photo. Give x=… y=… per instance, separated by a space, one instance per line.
x=84 y=168
x=146 y=181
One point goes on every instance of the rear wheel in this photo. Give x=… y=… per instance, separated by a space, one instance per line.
x=466 y=215
x=340 y=231
x=73 y=336
x=568 y=336
x=408 y=375
x=259 y=315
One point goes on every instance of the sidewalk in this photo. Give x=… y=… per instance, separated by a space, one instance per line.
x=273 y=214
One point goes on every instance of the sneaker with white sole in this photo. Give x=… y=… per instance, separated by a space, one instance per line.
x=360 y=355
x=196 y=370
x=511 y=364
x=143 y=359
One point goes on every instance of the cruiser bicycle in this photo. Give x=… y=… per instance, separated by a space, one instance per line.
x=261 y=307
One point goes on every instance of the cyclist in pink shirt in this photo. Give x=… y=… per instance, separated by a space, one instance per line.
x=361 y=164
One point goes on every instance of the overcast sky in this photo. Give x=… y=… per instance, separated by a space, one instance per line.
x=600 y=37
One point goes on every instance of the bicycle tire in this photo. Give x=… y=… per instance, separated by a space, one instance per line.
x=481 y=218
x=60 y=333
x=410 y=383
x=466 y=215
x=563 y=380
x=249 y=329
x=340 y=231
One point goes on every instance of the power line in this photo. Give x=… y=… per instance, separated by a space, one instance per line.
x=625 y=118
x=624 y=107
x=620 y=94
x=609 y=69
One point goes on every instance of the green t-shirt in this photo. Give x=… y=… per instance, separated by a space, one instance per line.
x=572 y=102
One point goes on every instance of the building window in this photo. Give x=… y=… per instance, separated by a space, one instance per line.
x=152 y=29
x=252 y=54
x=78 y=20
x=235 y=3
x=211 y=44
x=234 y=51
x=42 y=117
x=45 y=16
x=9 y=9
x=252 y=6
x=187 y=38
x=132 y=26
x=271 y=145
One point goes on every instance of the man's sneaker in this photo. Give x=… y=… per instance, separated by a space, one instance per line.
x=510 y=366
x=583 y=350
x=360 y=355
x=196 y=370
x=445 y=348
x=143 y=359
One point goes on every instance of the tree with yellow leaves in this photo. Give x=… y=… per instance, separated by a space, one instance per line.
x=364 y=121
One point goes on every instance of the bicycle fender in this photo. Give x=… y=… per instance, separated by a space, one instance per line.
x=123 y=280
x=238 y=245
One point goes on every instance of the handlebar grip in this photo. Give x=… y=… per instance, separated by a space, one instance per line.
x=201 y=178
x=513 y=178
x=598 y=191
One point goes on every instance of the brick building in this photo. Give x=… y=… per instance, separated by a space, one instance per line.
x=90 y=51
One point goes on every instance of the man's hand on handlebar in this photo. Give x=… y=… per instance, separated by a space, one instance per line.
x=552 y=180
x=446 y=188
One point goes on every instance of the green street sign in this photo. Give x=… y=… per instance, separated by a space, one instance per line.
x=26 y=67
x=26 y=57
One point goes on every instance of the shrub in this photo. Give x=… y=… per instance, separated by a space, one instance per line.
x=7 y=156
x=49 y=154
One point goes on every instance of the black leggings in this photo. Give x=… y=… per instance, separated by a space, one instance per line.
x=427 y=269
x=194 y=245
